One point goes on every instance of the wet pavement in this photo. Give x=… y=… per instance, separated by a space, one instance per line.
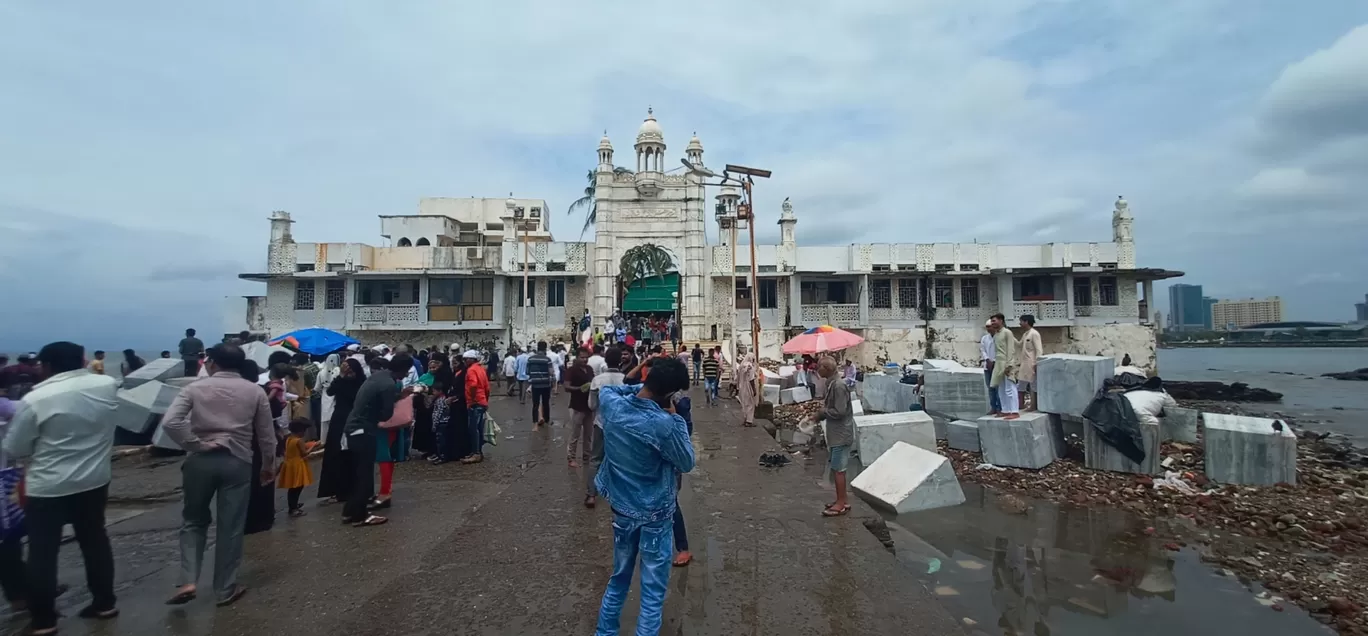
x=506 y=547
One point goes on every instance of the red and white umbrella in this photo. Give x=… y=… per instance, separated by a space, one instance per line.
x=821 y=340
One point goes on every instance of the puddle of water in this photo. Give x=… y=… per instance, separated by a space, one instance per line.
x=1068 y=571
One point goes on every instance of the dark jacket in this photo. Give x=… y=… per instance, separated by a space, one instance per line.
x=374 y=403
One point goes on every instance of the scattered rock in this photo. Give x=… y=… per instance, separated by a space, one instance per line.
x=1357 y=374
x=1220 y=391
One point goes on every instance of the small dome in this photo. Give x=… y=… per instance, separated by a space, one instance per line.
x=729 y=192
x=650 y=131
x=1122 y=207
x=604 y=144
x=695 y=144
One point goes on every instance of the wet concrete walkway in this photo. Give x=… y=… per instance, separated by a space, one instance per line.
x=506 y=547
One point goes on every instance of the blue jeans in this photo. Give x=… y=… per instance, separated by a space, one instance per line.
x=710 y=388
x=993 y=398
x=698 y=370
x=475 y=416
x=653 y=541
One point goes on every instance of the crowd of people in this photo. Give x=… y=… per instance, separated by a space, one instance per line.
x=249 y=431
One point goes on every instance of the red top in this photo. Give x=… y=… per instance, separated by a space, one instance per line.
x=477 y=386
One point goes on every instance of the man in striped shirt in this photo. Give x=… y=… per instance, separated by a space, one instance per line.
x=712 y=374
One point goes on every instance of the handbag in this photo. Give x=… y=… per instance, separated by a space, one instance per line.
x=11 y=504
x=403 y=414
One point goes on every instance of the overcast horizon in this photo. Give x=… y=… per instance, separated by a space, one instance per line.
x=145 y=144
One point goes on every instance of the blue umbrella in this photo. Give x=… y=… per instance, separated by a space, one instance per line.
x=314 y=341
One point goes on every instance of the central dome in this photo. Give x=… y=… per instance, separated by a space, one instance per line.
x=650 y=130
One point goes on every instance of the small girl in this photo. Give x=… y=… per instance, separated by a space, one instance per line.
x=294 y=472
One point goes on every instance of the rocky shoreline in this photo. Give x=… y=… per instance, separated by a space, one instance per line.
x=1360 y=375
x=1220 y=392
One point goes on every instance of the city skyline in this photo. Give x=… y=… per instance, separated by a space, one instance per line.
x=151 y=145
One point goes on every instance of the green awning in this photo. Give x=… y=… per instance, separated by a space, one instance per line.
x=652 y=294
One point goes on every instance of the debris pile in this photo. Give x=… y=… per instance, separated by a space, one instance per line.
x=789 y=415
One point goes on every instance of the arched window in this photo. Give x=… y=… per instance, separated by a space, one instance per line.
x=422 y=241
x=404 y=242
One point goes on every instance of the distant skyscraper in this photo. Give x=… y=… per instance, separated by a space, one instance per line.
x=1208 y=322
x=1186 y=308
x=1361 y=310
x=1237 y=314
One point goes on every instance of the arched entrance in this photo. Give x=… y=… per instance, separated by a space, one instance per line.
x=649 y=284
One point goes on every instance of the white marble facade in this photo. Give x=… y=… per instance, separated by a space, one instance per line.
x=909 y=300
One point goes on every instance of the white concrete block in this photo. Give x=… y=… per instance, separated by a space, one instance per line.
x=181 y=382
x=770 y=393
x=941 y=423
x=160 y=369
x=1249 y=450
x=1179 y=425
x=957 y=393
x=161 y=440
x=875 y=434
x=856 y=408
x=136 y=405
x=908 y=479
x=887 y=394
x=963 y=435
x=794 y=395
x=1021 y=443
x=1066 y=383
x=940 y=364
x=1099 y=455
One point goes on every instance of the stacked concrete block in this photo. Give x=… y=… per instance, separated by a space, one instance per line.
x=136 y=406
x=875 y=434
x=1024 y=442
x=1249 y=450
x=163 y=441
x=794 y=395
x=1059 y=434
x=1179 y=425
x=1099 y=455
x=963 y=435
x=856 y=408
x=958 y=393
x=770 y=393
x=1067 y=383
x=907 y=479
x=887 y=394
x=161 y=370
x=940 y=364
x=941 y=422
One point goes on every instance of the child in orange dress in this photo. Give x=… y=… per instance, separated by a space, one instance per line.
x=294 y=472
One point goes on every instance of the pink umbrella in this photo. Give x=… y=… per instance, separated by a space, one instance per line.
x=821 y=339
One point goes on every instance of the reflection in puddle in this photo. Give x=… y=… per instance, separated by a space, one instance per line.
x=1068 y=571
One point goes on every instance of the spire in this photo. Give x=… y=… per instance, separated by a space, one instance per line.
x=605 y=153
x=694 y=151
x=650 y=144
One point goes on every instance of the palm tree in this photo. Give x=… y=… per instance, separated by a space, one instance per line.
x=589 y=200
x=644 y=261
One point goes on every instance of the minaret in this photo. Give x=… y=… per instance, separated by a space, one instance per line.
x=694 y=151
x=1121 y=235
x=788 y=244
x=650 y=145
x=605 y=154
x=280 y=253
x=727 y=202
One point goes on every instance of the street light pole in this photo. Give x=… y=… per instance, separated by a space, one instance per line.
x=517 y=213
x=749 y=211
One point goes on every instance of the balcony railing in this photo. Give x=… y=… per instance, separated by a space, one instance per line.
x=831 y=314
x=1053 y=310
x=387 y=314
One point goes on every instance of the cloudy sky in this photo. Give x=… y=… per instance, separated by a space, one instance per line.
x=142 y=144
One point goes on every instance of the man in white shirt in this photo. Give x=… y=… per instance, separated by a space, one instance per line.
x=987 y=352
x=613 y=376
x=557 y=363
x=510 y=370
x=597 y=361
x=62 y=426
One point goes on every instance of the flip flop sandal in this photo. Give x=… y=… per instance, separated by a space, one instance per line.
x=373 y=520
x=836 y=512
x=297 y=513
x=182 y=598
x=679 y=564
x=590 y=502
x=238 y=593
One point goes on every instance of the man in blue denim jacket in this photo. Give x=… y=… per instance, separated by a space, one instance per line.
x=645 y=446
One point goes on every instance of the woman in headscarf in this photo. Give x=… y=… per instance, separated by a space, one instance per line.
x=131 y=362
x=745 y=388
x=261 y=500
x=335 y=479
x=332 y=368
x=424 y=436
x=299 y=386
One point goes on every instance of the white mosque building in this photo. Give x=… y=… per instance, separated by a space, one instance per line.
x=455 y=271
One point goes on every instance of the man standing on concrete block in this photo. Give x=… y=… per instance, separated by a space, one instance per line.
x=190 y=350
x=840 y=431
x=987 y=351
x=1005 y=368
x=1030 y=352
x=645 y=445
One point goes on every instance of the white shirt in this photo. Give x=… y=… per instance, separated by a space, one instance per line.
x=510 y=366
x=987 y=351
x=1149 y=404
x=613 y=378
x=63 y=424
x=556 y=363
x=598 y=364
